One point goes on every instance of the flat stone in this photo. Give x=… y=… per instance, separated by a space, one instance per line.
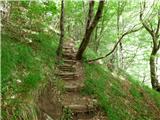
x=73 y=88
x=70 y=62
x=66 y=65
x=81 y=108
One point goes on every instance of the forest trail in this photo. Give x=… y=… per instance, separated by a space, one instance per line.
x=71 y=72
x=76 y=106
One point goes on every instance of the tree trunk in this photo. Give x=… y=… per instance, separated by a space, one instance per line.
x=154 y=79
x=59 y=50
x=90 y=29
x=156 y=45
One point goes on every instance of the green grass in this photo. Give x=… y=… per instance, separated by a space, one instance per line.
x=119 y=99
x=25 y=66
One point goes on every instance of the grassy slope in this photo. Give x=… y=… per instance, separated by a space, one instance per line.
x=33 y=64
x=25 y=68
x=121 y=99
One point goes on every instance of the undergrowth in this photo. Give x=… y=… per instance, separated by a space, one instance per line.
x=25 y=67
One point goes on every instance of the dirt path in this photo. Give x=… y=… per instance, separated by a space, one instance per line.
x=71 y=73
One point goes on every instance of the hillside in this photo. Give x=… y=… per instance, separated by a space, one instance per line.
x=23 y=77
x=25 y=69
x=121 y=99
x=80 y=60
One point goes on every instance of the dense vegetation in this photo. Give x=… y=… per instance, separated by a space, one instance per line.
x=124 y=38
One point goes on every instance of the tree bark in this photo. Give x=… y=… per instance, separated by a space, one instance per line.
x=154 y=79
x=90 y=29
x=59 y=50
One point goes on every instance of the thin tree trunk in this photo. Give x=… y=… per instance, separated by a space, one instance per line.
x=101 y=32
x=59 y=50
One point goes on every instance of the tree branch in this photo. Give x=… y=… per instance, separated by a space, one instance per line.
x=150 y=30
x=90 y=13
x=158 y=25
x=145 y=25
x=98 y=15
x=119 y=40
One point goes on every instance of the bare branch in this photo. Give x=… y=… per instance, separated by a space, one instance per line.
x=158 y=25
x=144 y=23
x=119 y=40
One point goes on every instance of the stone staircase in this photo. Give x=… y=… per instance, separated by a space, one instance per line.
x=71 y=72
x=51 y=102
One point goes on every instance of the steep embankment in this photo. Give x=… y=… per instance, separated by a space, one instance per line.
x=27 y=65
x=121 y=99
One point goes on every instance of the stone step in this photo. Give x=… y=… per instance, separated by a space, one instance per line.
x=70 y=53
x=69 y=44
x=66 y=73
x=67 y=47
x=68 y=61
x=96 y=118
x=82 y=111
x=66 y=65
x=73 y=86
x=69 y=50
x=68 y=78
x=79 y=102
x=69 y=56
x=64 y=77
x=70 y=88
x=81 y=108
x=66 y=69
